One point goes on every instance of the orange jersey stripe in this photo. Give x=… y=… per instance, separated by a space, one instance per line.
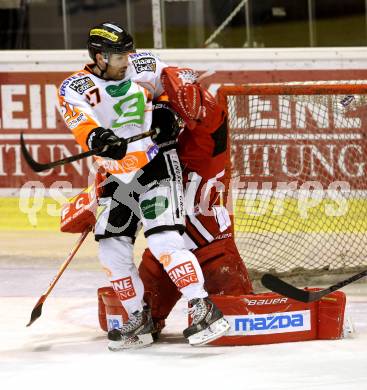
x=80 y=123
x=130 y=163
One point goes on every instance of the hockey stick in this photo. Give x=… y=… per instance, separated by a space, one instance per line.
x=37 y=310
x=39 y=167
x=279 y=286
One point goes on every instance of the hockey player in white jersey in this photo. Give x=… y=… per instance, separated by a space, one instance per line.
x=103 y=104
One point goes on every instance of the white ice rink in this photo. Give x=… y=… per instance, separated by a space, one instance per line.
x=65 y=348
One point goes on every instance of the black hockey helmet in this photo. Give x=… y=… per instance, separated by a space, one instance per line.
x=109 y=37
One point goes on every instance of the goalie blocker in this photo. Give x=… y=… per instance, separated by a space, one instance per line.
x=81 y=210
x=256 y=319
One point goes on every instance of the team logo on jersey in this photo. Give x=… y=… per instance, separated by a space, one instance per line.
x=145 y=64
x=81 y=85
x=119 y=90
x=152 y=208
x=68 y=81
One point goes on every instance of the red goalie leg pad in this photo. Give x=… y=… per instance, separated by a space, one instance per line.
x=102 y=309
x=224 y=270
x=222 y=266
x=331 y=316
x=159 y=289
x=271 y=318
x=110 y=311
x=255 y=319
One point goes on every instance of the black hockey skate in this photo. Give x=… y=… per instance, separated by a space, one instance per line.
x=208 y=323
x=135 y=333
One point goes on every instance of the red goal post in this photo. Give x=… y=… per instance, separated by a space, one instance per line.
x=298 y=175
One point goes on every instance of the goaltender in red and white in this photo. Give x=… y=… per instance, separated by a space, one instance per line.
x=103 y=104
x=202 y=150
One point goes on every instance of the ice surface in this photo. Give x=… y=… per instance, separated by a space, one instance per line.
x=65 y=348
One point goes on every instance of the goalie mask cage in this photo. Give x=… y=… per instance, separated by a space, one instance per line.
x=297 y=163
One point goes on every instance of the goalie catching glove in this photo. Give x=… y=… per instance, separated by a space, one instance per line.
x=115 y=147
x=189 y=99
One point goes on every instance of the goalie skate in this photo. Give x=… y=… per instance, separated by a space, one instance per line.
x=208 y=323
x=135 y=333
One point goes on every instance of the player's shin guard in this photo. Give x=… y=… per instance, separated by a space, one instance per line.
x=208 y=323
x=180 y=264
x=115 y=254
x=184 y=270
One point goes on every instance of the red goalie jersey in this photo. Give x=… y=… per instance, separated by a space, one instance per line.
x=202 y=149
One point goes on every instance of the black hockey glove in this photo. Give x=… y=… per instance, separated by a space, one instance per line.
x=100 y=137
x=166 y=123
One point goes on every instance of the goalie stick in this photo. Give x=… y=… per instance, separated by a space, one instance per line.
x=39 y=167
x=279 y=286
x=37 y=310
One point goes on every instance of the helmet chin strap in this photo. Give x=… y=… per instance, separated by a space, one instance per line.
x=105 y=60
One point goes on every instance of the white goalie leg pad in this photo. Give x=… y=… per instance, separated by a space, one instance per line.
x=138 y=341
x=214 y=331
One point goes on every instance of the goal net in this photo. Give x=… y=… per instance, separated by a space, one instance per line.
x=298 y=175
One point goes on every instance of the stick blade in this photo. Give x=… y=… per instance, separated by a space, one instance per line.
x=36 y=313
x=32 y=163
x=279 y=286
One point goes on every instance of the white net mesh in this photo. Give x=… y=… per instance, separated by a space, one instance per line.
x=298 y=177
